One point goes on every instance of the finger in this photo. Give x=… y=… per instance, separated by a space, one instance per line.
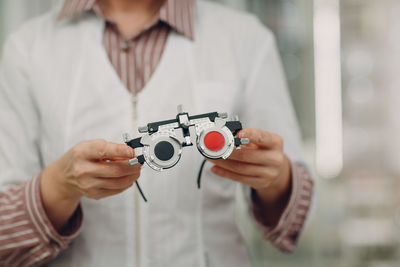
x=89 y=184
x=252 y=181
x=258 y=156
x=115 y=159
x=116 y=183
x=111 y=169
x=249 y=146
x=242 y=168
x=101 y=149
x=262 y=138
x=103 y=193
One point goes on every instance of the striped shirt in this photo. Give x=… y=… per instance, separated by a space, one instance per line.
x=136 y=58
x=27 y=237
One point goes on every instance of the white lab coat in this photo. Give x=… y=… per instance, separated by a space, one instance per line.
x=57 y=88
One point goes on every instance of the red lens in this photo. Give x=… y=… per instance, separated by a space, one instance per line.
x=214 y=141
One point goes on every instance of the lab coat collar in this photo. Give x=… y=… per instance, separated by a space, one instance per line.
x=178 y=14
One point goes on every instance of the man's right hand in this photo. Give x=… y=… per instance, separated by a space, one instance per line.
x=94 y=169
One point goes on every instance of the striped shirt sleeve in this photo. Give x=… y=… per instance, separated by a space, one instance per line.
x=27 y=237
x=285 y=233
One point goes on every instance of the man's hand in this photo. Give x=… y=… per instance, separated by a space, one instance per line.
x=264 y=167
x=94 y=169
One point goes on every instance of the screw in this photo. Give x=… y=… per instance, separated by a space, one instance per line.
x=126 y=137
x=133 y=162
x=181 y=109
x=143 y=129
x=223 y=115
x=244 y=141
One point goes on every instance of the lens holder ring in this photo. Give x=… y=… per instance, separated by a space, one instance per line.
x=224 y=152
x=149 y=153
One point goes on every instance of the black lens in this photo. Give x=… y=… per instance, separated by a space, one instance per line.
x=164 y=150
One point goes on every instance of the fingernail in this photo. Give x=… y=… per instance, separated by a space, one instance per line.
x=242 y=134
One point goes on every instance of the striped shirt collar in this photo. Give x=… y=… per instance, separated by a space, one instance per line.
x=178 y=14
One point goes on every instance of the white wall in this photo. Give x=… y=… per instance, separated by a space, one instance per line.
x=14 y=12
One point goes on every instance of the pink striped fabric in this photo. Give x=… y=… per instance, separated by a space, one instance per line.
x=286 y=233
x=136 y=59
x=27 y=237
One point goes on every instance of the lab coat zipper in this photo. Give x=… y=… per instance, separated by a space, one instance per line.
x=136 y=193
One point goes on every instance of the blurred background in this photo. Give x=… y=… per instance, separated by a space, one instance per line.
x=342 y=61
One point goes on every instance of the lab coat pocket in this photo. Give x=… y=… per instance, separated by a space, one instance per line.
x=216 y=96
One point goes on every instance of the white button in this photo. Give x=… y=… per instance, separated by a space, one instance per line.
x=125 y=45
